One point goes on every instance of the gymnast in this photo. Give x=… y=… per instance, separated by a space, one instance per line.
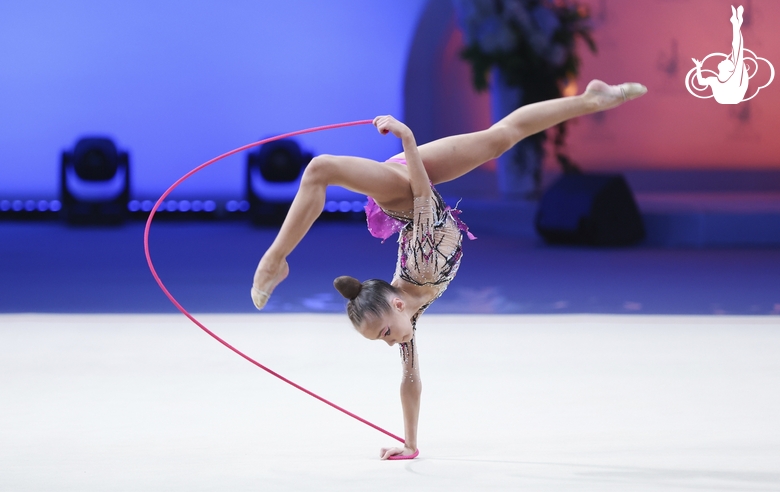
x=402 y=199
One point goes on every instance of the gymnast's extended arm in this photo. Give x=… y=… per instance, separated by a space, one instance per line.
x=418 y=176
x=411 y=389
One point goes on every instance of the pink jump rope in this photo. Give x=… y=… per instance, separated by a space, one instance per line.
x=214 y=335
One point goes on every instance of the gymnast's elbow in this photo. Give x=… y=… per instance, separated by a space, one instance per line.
x=411 y=385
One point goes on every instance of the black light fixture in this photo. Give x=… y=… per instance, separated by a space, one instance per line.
x=273 y=176
x=95 y=182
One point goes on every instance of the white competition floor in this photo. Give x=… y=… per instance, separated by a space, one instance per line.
x=538 y=402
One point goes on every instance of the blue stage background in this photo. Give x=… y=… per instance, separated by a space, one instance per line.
x=177 y=83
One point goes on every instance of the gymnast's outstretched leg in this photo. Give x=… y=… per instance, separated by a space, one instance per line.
x=451 y=157
x=388 y=184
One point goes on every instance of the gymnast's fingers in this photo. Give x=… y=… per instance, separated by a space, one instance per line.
x=388 y=452
x=400 y=453
x=382 y=124
x=382 y=118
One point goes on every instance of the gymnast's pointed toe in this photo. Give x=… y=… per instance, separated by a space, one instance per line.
x=278 y=273
x=259 y=298
x=632 y=90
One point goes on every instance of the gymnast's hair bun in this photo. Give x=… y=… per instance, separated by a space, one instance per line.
x=348 y=287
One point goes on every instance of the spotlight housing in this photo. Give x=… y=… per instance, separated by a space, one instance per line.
x=273 y=176
x=95 y=182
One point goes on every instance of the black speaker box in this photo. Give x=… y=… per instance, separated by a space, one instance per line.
x=592 y=209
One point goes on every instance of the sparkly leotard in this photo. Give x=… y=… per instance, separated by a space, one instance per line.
x=429 y=245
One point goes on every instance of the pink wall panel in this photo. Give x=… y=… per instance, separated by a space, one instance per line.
x=648 y=41
x=652 y=42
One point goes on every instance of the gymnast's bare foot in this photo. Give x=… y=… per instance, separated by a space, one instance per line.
x=270 y=273
x=604 y=96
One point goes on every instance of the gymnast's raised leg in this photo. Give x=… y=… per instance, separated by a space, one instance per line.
x=387 y=184
x=452 y=157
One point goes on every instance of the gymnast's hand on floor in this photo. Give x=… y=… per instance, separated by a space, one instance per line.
x=398 y=453
x=388 y=124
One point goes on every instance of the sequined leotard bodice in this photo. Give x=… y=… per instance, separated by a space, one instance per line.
x=429 y=246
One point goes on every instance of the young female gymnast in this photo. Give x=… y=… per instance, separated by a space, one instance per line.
x=402 y=199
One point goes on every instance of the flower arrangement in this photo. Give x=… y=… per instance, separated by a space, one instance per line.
x=533 y=45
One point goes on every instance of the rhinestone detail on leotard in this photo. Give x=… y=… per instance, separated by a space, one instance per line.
x=429 y=251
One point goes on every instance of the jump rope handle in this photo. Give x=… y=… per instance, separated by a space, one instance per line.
x=402 y=457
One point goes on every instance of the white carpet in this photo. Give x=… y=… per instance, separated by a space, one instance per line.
x=570 y=402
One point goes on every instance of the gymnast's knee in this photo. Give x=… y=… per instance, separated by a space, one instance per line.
x=502 y=138
x=319 y=171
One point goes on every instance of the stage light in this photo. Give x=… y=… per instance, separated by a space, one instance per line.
x=273 y=176
x=95 y=182
x=29 y=209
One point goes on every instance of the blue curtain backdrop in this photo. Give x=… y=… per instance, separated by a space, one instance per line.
x=177 y=82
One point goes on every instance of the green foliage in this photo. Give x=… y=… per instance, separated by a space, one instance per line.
x=530 y=54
